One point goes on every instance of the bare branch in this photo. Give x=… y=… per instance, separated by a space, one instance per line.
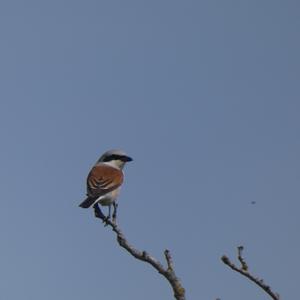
x=168 y=273
x=244 y=271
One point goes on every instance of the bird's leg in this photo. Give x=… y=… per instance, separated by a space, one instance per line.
x=115 y=212
x=107 y=218
x=109 y=212
x=98 y=213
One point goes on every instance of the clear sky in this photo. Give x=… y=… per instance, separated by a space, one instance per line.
x=204 y=95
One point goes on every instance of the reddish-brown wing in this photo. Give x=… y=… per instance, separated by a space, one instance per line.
x=103 y=179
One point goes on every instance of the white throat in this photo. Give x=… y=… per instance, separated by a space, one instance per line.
x=117 y=163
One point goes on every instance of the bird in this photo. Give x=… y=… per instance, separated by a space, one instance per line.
x=104 y=181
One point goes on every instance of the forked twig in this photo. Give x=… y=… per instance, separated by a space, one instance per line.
x=244 y=271
x=168 y=272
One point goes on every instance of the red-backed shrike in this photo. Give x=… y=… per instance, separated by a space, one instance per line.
x=105 y=179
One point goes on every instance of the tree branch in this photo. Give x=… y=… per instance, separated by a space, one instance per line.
x=168 y=273
x=244 y=271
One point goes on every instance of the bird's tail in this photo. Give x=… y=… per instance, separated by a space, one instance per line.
x=89 y=201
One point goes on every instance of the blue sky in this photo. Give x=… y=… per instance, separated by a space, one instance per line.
x=204 y=95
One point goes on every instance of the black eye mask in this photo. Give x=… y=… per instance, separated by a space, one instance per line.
x=123 y=158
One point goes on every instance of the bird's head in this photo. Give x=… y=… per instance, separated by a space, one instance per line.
x=116 y=158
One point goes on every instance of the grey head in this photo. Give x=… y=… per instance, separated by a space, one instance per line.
x=115 y=157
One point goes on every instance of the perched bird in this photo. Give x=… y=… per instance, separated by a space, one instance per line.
x=105 y=179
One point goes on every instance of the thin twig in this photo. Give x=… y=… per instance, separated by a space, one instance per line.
x=168 y=273
x=244 y=271
x=241 y=259
x=169 y=260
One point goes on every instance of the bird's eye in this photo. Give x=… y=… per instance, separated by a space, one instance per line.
x=108 y=158
x=112 y=157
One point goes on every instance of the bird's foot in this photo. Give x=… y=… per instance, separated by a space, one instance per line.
x=106 y=220
x=99 y=214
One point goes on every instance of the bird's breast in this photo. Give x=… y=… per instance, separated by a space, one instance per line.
x=109 y=198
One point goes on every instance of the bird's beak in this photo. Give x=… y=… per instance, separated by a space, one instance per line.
x=128 y=158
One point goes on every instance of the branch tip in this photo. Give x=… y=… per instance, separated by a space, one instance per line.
x=169 y=260
x=225 y=259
